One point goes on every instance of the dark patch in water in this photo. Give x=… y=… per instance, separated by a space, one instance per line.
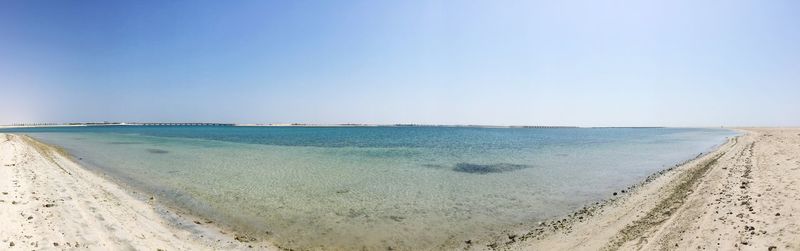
x=159 y=151
x=433 y=166
x=490 y=168
x=123 y=143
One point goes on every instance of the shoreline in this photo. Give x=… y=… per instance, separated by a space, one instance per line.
x=526 y=237
x=49 y=200
x=711 y=202
x=178 y=218
x=620 y=222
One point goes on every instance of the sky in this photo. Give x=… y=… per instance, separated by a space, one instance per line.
x=580 y=63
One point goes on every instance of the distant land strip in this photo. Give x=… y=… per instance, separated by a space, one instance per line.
x=289 y=124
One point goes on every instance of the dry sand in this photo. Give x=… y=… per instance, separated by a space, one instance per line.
x=49 y=202
x=744 y=196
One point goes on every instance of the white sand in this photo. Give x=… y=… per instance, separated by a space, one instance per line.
x=49 y=202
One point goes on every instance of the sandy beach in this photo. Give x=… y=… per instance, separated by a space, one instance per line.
x=742 y=196
x=50 y=202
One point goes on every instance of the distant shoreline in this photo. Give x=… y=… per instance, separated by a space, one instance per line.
x=36 y=125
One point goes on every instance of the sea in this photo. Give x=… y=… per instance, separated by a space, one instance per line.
x=375 y=187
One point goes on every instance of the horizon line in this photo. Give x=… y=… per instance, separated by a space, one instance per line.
x=297 y=124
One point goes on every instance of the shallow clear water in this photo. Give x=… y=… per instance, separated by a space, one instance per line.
x=375 y=187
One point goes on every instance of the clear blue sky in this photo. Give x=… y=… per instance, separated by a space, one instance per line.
x=587 y=63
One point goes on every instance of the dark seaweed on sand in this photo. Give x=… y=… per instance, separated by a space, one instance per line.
x=490 y=168
x=159 y=151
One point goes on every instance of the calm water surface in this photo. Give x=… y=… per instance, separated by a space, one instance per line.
x=376 y=187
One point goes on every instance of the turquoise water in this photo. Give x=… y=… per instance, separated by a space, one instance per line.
x=378 y=187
